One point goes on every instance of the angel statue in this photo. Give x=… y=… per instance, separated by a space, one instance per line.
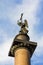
x=24 y=25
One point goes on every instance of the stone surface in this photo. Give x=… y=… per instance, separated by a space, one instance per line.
x=31 y=46
x=22 y=56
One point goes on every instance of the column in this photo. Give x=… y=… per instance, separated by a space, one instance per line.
x=22 y=56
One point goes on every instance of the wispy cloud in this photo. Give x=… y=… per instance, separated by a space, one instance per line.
x=4 y=49
x=11 y=10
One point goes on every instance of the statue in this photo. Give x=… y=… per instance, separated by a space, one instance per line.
x=24 y=25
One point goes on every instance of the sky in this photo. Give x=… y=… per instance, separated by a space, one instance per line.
x=10 y=11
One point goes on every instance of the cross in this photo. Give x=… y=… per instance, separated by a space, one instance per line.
x=21 y=17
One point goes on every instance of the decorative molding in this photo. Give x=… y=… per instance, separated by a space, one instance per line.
x=26 y=45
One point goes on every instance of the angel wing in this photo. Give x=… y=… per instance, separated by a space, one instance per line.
x=26 y=24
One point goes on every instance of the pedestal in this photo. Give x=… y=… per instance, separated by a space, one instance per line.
x=22 y=49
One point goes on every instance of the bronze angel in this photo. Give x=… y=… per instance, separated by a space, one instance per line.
x=24 y=26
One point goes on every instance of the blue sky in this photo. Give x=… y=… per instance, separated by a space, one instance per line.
x=10 y=11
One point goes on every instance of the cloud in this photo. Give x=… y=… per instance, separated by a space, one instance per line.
x=4 y=49
x=38 y=54
x=13 y=12
x=29 y=8
x=3 y=36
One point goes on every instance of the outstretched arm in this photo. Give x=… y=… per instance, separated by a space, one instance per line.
x=19 y=23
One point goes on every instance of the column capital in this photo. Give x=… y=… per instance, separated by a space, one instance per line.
x=22 y=44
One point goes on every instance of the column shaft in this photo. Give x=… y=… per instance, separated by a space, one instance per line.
x=22 y=57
